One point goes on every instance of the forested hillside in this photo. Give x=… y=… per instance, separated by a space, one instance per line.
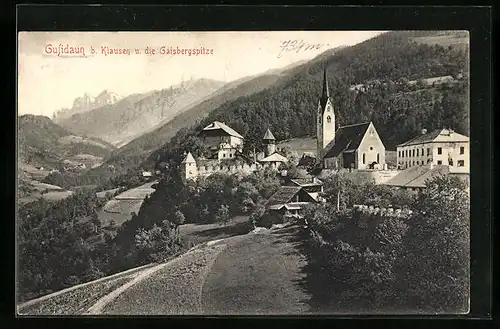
x=385 y=63
x=45 y=143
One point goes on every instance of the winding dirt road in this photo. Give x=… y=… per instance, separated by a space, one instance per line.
x=256 y=273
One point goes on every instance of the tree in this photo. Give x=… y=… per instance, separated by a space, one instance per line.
x=439 y=238
x=256 y=214
x=222 y=215
x=178 y=219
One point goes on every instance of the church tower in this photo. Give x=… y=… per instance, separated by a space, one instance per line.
x=269 y=142
x=325 y=120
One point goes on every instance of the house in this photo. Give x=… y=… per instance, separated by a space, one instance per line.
x=308 y=159
x=223 y=140
x=147 y=174
x=356 y=146
x=414 y=178
x=312 y=185
x=439 y=147
x=274 y=160
x=290 y=201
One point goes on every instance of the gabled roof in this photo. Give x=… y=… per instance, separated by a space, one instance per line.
x=437 y=135
x=283 y=195
x=275 y=157
x=347 y=138
x=417 y=175
x=313 y=181
x=189 y=158
x=269 y=135
x=216 y=125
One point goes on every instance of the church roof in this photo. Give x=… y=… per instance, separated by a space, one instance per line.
x=188 y=159
x=268 y=135
x=216 y=125
x=347 y=139
x=437 y=135
x=275 y=157
x=325 y=93
x=416 y=176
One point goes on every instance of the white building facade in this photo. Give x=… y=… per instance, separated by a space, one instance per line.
x=439 y=147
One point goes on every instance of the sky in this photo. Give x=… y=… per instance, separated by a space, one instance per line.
x=50 y=79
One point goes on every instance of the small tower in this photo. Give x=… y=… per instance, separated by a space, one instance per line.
x=269 y=141
x=188 y=168
x=325 y=120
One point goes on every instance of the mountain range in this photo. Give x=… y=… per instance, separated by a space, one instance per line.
x=120 y=121
x=86 y=103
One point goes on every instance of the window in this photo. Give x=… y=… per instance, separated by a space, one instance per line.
x=429 y=160
x=462 y=150
x=428 y=151
x=406 y=151
x=328 y=119
x=440 y=162
x=422 y=152
x=363 y=158
x=440 y=150
x=417 y=151
x=413 y=153
x=189 y=164
x=460 y=163
x=224 y=155
x=319 y=119
x=230 y=155
x=378 y=158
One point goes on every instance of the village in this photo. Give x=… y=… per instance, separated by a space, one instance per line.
x=356 y=149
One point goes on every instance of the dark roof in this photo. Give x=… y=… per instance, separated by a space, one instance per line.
x=429 y=137
x=221 y=126
x=313 y=181
x=416 y=176
x=269 y=135
x=283 y=195
x=444 y=135
x=347 y=138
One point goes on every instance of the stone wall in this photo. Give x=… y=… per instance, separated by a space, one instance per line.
x=383 y=212
x=245 y=169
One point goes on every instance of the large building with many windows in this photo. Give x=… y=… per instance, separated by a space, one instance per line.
x=439 y=147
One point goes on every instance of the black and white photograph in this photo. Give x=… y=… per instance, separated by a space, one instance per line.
x=243 y=173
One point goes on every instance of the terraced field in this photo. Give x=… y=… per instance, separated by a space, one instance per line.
x=120 y=208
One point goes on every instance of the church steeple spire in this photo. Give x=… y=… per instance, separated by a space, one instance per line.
x=325 y=95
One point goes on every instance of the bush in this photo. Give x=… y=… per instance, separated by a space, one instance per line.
x=268 y=219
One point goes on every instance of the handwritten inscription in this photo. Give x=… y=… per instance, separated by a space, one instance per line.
x=298 y=46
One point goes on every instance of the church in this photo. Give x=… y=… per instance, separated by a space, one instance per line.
x=356 y=146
